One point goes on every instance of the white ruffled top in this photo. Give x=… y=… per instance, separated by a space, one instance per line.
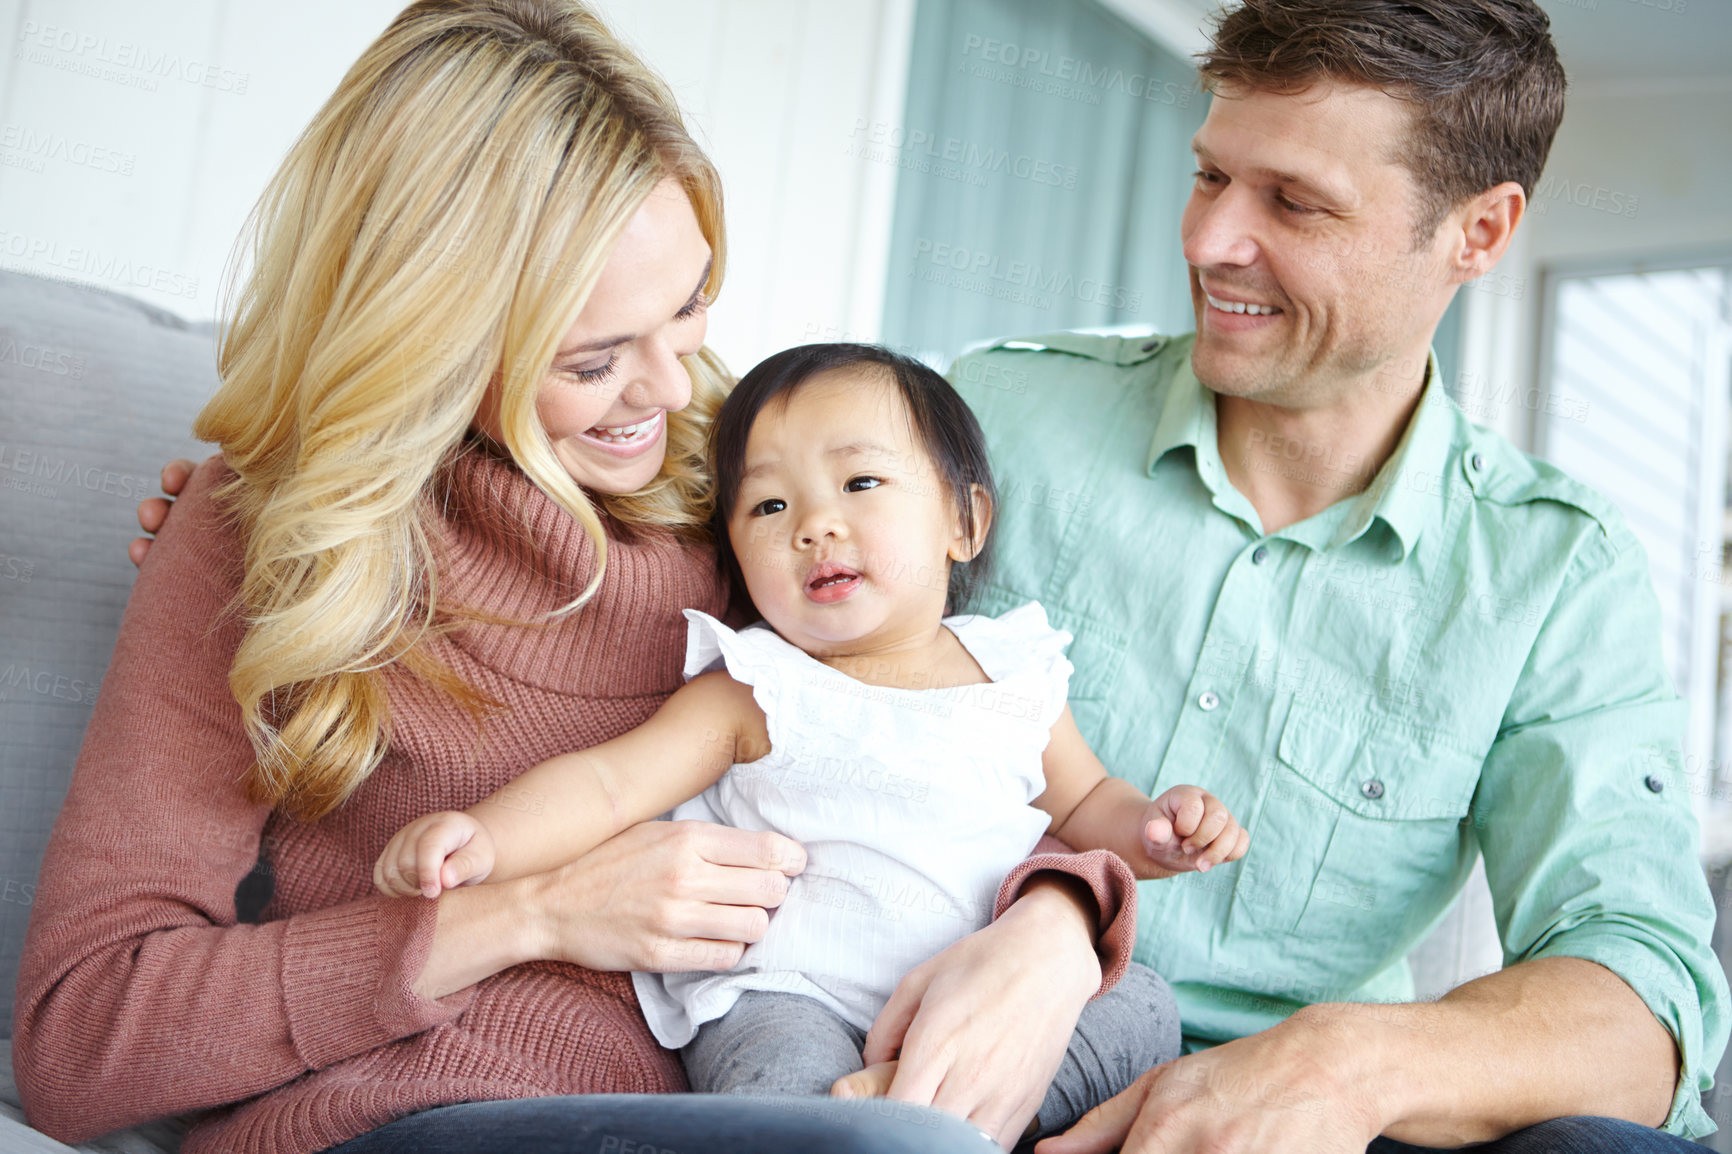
x=912 y=806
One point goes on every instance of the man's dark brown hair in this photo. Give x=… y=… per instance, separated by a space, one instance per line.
x=1482 y=76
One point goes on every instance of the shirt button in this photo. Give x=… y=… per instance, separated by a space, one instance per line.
x=1208 y=700
x=1151 y=346
x=1654 y=783
x=1260 y=555
x=1478 y=462
x=1372 y=789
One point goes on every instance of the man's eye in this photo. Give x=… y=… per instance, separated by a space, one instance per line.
x=863 y=484
x=1202 y=177
x=1292 y=206
x=768 y=505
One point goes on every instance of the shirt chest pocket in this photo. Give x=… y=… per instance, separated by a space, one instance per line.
x=1359 y=841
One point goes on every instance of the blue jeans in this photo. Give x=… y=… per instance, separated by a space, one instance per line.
x=1580 y=1135
x=732 y=1124
x=673 y=1124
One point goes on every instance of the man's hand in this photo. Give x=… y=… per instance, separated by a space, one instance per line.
x=1290 y=1089
x=153 y=511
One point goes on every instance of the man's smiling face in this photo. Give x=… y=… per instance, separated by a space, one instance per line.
x=1300 y=238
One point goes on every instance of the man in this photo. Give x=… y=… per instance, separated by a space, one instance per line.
x=1299 y=577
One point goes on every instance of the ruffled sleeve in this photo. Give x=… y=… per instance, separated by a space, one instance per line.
x=753 y=656
x=712 y=645
x=1022 y=643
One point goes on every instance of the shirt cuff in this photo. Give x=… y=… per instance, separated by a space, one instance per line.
x=1664 y=984
x=348 y=975
x=1114 y=888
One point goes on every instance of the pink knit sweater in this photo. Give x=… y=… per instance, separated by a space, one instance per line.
x=139 y=995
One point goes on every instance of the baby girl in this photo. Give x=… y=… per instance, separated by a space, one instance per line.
x=916 y=756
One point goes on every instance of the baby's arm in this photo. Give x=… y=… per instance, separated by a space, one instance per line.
x=567 y=805
x=1184 y=829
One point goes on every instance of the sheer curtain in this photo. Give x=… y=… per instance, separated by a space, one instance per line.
x=1044 y=160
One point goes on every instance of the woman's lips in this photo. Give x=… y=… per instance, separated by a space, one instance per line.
x=829 y=582
x=646 y=435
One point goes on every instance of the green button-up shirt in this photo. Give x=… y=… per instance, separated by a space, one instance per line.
x=1461 y=660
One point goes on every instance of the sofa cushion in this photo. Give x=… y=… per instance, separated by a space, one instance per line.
x=97 y=391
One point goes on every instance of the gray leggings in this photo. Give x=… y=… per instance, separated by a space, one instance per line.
x=775 y=1043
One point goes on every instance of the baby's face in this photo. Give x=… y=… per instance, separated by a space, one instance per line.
x=844 y=528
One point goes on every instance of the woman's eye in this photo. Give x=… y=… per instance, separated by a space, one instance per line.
x=592 y=375
x=863 y=483
x=697 y=305
x=768 y=505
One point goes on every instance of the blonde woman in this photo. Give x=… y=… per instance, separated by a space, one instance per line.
x=455 y=517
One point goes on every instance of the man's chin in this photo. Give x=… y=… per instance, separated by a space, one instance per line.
x=1233 y=374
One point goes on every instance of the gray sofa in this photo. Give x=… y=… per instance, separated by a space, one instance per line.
x=96 y=392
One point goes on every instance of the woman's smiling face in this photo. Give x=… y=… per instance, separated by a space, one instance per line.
x=604 y=401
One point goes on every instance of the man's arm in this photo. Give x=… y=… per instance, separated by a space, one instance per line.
x=1543 y=1039
x=1612 y=1004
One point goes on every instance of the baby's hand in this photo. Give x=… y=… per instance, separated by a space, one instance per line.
x=1188 y=828
x=438 y=852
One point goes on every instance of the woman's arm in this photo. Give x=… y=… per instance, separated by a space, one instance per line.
x=981 y=1027
x=567 y=805
x=138 y=993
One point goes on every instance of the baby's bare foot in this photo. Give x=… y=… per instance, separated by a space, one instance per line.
x=872 y=1082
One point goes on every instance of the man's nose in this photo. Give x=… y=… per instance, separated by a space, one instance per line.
x=1222 y=232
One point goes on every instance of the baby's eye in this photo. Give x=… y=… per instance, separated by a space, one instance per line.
x=863 y=484
x=767 y=506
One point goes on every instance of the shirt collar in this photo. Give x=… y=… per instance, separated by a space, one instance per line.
x=1407 y=491
x=1404 y=494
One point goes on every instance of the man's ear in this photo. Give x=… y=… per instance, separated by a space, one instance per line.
x=962 y=549
x=1482 y=229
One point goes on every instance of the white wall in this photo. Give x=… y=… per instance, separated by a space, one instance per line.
x=1639 y=171
x=136 y=134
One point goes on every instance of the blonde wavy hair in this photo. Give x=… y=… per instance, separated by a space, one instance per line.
x=438 y=227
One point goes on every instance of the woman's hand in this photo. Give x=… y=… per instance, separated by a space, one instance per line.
x=661 y=896
x=153 y=511
x=980 y=1029
x=666 y=896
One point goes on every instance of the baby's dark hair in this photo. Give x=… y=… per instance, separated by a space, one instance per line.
x=943 y=424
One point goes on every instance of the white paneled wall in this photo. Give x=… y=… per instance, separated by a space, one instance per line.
x=1641 y=360
x=135 y=136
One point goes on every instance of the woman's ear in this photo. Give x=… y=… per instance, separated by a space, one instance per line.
x=961 y=548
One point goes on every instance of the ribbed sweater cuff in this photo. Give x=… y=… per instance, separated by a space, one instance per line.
x=347 y=977
x=1115 y=892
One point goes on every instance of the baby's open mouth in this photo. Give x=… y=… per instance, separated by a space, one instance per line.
x=829 y=581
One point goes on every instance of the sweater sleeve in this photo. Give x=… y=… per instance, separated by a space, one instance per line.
x=1115 y=892
x=139 y=996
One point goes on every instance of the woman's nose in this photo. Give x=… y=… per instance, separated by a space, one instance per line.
x=661 y=382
